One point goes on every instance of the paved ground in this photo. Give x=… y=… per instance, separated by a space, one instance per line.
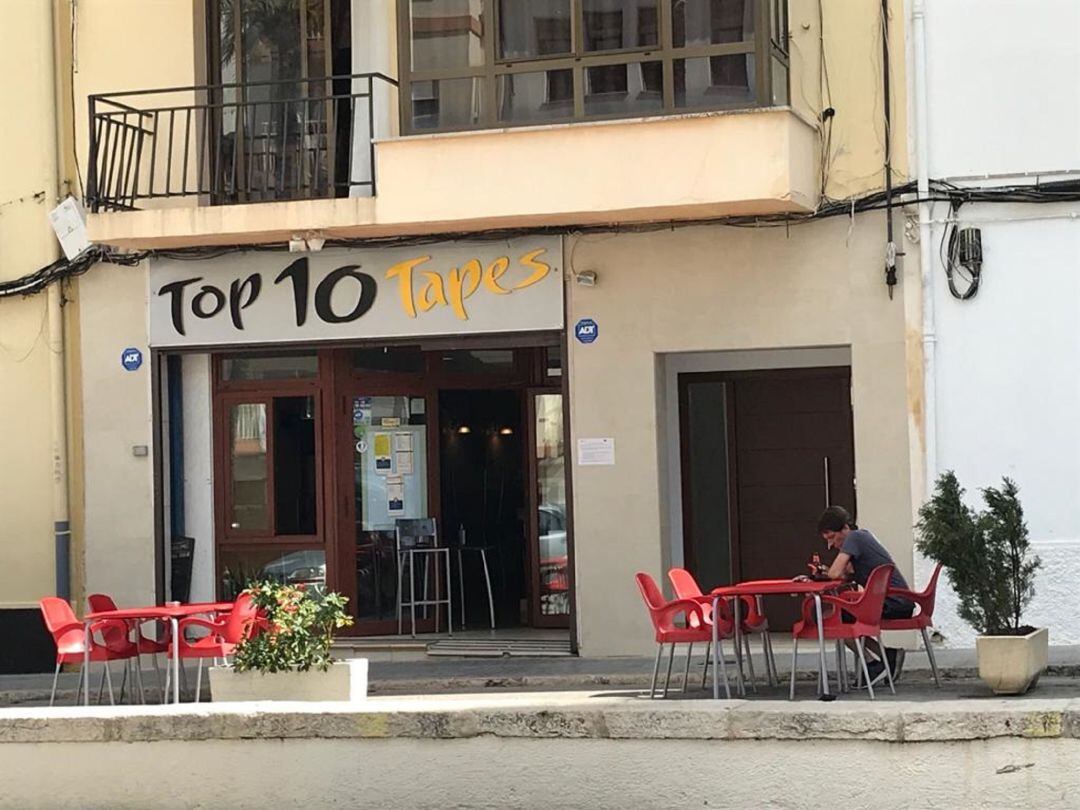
x=456 y=676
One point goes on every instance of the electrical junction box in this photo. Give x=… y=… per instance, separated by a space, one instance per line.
x=69 y=224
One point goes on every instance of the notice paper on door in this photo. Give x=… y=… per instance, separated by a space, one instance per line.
x=403 y=453
x=384 y=461
x=596 y=452
x=395 y=495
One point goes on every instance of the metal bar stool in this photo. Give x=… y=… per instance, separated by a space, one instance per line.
x=419 y=536
x=482 y=551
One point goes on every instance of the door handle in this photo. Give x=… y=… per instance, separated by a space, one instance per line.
x=828 y=492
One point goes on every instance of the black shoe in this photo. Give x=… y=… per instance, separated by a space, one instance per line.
x=877 y=672
x=895 y=656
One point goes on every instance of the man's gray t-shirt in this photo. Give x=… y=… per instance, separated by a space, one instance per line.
x=867 y=554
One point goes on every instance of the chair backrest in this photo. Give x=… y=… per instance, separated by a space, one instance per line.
x=112 y=634
x=241 y=618
x=929 y=594
x=58 y=615
x=99 y=602
x=416 y=533
x=868 y=608
x=683 y=582
x=654 y=600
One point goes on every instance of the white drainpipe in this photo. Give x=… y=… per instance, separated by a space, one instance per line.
x=926 y=255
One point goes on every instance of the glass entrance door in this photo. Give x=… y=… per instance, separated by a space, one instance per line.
x=548 y=530
x=387 y=445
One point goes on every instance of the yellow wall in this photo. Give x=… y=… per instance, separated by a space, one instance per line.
x=26 y=244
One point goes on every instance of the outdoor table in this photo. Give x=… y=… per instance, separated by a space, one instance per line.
x=767 y=587
x=136 y=616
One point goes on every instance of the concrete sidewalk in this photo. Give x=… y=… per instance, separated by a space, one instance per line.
x=450 y=675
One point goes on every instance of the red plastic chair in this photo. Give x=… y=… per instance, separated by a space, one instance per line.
x=697 y=629
x=866 y=609
x=753 y=621
x=221 y=638
x=99 y=602
x=70 y=639
x=923 y=618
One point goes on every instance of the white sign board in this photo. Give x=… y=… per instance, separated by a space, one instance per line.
x=447 y=288
x=596 y=452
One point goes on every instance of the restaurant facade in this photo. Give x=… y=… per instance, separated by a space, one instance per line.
x=554 y=335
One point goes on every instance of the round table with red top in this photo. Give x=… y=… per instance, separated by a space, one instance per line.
x=171 y=612
x=768 y=587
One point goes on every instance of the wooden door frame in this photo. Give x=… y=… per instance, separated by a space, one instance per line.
x=728 y=379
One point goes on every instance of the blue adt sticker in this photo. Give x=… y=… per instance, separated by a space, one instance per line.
x=131 y=359
x=586 y=330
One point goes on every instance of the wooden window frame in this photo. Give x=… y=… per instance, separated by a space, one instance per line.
x=764 y=46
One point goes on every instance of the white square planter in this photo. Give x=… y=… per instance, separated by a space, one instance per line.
x=344 y=680
x=1010 y=665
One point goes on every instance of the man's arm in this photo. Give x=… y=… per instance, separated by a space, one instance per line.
x=840 y=566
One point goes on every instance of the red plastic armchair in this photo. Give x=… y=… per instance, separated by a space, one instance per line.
x=69 y=636
x=221 y=637
x=697 y=629
x=752 y=619
x=99 y=602
x=866 y=611
x=923 y=618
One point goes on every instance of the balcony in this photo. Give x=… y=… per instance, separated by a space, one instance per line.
x=218 y=165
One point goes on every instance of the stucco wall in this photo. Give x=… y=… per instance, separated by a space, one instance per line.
x=116 y=419
x=26 y=245
x=713 y=288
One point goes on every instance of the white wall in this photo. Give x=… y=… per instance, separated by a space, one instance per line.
x=1004 y=100
x=1004 y=95
x=199 y=473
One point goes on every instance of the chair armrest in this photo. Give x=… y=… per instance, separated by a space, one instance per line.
x=194 y=621
x=690 y=607
x=924 y=601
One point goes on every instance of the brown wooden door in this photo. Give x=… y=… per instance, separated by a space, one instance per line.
x=794 y=454
x=789 y=452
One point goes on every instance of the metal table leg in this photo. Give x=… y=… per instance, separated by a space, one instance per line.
x=715 y=653
x=738 y=645
x=174 y=624
x=821 y=644
x=86 y=663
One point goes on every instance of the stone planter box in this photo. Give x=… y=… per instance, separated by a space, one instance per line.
x=343 y=681
x=1010 y=665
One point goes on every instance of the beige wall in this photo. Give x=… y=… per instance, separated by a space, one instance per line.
x=26 y=244
x=716 y=288
x=119 y=519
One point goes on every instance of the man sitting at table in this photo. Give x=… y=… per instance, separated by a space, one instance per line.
x=859 y=553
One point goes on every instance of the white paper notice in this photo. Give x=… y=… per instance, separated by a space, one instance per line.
x=596 y=452
x=395 y=495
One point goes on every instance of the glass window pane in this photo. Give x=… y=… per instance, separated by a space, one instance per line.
x=542 y=96
x=295 y=470
x=248 y=501
x=446 y=103
x=286 y=366
x=632 y=89
x=711 y=22
x=481 y=361
x=779 y=83
x=242 y=566
x=406 y=359
x=551 y=516
x=389 y=440
x=532 y=28
x=612 y=25
x=446 y=34
x=714 y=81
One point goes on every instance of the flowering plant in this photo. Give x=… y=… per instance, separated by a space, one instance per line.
x=296 y=627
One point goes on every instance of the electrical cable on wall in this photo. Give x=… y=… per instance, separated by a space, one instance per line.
x=966 y=266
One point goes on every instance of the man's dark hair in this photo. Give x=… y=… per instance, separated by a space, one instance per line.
x=834 y=519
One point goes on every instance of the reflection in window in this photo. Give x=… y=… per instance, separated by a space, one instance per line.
x=241 y=567
x=711 y=22
x=631 y=89
x=285 y=366
x=612 y=25
x=247 y=447
x=528 y=29
x=712 y=80
x=446 y=34
x=446 y=103
x=480 y=361
x=543 y=96
x=406 y=359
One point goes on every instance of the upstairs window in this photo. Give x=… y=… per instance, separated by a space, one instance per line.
x=473 y=64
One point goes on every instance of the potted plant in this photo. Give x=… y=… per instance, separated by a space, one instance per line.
x=986 y=555
x=288 y=658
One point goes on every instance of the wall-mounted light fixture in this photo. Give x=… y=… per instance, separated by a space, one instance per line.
x=586 y=278
x=464 y=429
x=312 y=241
x=506 y=432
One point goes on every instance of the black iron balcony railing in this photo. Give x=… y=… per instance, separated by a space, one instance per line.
x=237 y=143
